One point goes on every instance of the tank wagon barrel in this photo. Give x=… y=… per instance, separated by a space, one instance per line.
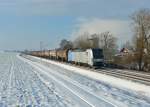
x=62 y=55
x=47 y=54
x=52 y=54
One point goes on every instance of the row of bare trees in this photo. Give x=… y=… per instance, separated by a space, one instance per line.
x=140 y=45
x=105 y=41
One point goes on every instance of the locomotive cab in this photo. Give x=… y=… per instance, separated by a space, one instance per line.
x=95 y=57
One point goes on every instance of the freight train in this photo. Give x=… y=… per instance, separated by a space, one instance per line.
x=90 y=57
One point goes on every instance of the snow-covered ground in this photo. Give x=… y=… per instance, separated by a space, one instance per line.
x=121 y=83
x=43 y=83
x=114 y=90
x=20 y=86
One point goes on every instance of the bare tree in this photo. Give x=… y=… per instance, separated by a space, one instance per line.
x=105 y=41
x=82 y=41
x=94 y=38
x=141 y=21
x=108 y=43
x=65 y=44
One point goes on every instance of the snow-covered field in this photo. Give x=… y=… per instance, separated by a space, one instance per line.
x=20 y=86
x=37 y=83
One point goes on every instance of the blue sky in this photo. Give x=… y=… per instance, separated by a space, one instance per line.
x=24 y=23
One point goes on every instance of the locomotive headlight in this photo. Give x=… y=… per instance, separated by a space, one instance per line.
x=98 y=60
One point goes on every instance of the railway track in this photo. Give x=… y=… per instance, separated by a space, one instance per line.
x=86 y=96
x=140 y=77
x=135 y=76
x=122 y=96
x=144 y=79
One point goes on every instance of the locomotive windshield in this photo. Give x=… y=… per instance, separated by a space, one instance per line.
x=98 y=53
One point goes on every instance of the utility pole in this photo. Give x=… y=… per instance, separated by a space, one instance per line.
x=41 y=44
x=41 y=50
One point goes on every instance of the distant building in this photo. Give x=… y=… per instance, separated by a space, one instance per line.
x=124 y=52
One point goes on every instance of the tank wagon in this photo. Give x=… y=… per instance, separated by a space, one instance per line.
x=62 y=55
x=36 y=53
x=47 y=53
x=53 y=54
x=90 y=57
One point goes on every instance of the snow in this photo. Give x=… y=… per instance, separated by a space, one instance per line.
x=20 y=86
x=43 y=83
x=121 y=83
x=73 y=87
x=99 y=85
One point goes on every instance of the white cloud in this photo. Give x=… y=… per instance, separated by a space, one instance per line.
x=119 y=28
